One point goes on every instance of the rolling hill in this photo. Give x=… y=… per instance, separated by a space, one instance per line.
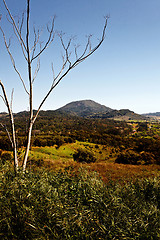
x=123 y=114
x=153 y=116
x=91 y=109
x=84 y=108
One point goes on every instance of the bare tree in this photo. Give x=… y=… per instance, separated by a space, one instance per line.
x=32 y=52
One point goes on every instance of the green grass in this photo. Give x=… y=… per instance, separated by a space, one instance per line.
x=69 y=205
x=52 y=152
x=66 y=151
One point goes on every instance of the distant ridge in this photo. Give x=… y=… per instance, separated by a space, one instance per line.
x=88 y=109
x=157 y=114
x=84 y=108
x=123 y=114
x=153 y=116
x=3 y=114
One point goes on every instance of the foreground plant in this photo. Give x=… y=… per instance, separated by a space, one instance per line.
x=69 y=205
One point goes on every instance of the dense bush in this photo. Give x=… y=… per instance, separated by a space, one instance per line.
x=135 y=158
x=63 y=205
x=128 y=157
x=51 y=141
x=5 y=156
x=5 y=143
x=84 y=156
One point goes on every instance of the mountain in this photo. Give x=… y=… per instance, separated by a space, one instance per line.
x=156 y=114
x=3 y=114
x=91 y=109
x=153 y=116
x=123 y=114
x=84 y=108
x=87 y=109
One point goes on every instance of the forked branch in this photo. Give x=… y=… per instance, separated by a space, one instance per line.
x=9 y=136
x=71 y=65
x=12 y=127
x=48 y=42
x=15 y=27
x=7 y=45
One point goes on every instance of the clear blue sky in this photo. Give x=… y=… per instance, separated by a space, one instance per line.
x=123 y=73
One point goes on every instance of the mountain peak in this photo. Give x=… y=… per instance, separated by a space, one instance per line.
x=84 y=108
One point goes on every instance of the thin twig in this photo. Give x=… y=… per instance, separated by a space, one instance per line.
x=9 y=136
x=13 y=62
x=15 y=26
x=36 y=70
x=49 y=41
x=3 y=100
x=71 y=66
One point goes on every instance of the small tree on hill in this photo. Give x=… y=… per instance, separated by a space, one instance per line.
x=32 y=53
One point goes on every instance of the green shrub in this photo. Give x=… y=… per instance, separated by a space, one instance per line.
x=6 y=156
x=132 y=157
x=35 y=160
x=128 y=157
x=40 y=142
x=84 y=156
x=147 y=158
x=59 y=141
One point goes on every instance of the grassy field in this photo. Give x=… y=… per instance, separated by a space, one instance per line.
x=59 y=198
x=61 y=158
x=72 y=205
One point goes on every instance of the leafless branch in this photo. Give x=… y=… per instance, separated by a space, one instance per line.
x=66 y=48
x=9 y=136
x=87 y=45
x=36 y=70
x=11 y=99
x=12 y=60
x=12 y=126
x=20 y=22
x=84 y=55
x=49 y=41
x=75 y=51
x=60 y=72
x=5 y=96
x=3 y=100
x=53 y=75
x=17 y=35
x=15 y=27
x=75 y=63
x=21 y=26
x=36 y=40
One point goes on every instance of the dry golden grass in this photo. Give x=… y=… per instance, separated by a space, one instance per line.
x=121 y=172
x=108 y=171
x=62 y=158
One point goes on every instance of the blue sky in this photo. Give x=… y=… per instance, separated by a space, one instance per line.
x=123 y=73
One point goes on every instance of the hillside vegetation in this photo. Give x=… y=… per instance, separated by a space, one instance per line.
x=132 y=142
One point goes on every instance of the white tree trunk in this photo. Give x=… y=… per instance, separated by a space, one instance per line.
x=27 y=147
x=14 y=143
